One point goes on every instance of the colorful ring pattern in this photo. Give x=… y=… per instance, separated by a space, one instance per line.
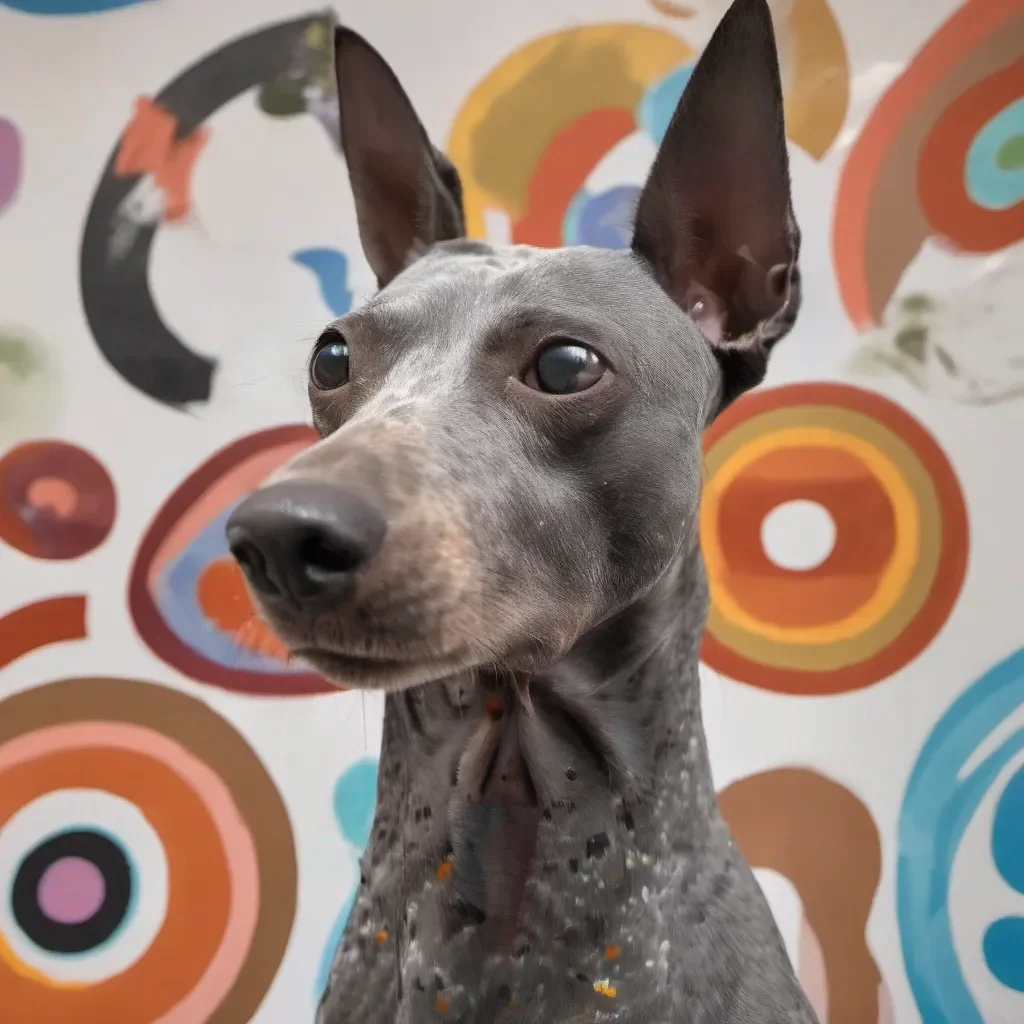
x=942 y=154
x=56 y=500
x=187 y=595
x=898 y=562
x=967 y=755
x=531 y=132
x=146 y=859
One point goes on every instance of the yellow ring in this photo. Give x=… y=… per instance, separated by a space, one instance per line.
x=897 y=574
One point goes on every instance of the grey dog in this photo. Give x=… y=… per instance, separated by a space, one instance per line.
x=499 y=528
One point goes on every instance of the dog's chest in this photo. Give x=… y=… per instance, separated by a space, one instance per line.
x=485 y=901
x=605 y=928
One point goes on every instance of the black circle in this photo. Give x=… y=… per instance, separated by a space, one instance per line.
x=329 y=369
x=55 y=936
x=567 y=368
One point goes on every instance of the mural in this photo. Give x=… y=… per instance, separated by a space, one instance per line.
x=330 y=267
x=56 y=500
x=146 y=184
x=933 y=192
x=861 y=534
x=555 y=142
x=187 y=595
x=39 y=624
x=146 y=858
x=772 y=814
x=880 y=587
x=971 y=760
x=354 y=798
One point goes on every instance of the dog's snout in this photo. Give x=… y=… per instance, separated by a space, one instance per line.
x=303 y=543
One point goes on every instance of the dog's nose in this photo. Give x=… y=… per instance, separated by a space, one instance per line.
x=303 y=543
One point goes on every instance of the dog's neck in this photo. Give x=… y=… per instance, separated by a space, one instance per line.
x=536 y=824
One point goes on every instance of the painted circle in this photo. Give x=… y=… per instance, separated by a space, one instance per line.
x=924 y=165
x=147 y=868
x=56 y=500
x=72 y=891
x=187 y=596
x=798 y=535
x=71 y=888
x=981 y=208
x=994 y=167
x=897 y=564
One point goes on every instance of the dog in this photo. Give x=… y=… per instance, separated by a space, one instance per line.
x=499 y=528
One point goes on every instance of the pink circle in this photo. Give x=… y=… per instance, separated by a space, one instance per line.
x=71 y=890
x=50 y=492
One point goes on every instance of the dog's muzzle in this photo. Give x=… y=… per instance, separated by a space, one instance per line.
x=303 y=544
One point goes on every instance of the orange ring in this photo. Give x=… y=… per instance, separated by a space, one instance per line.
x=944 y=200
x=221 y=823
x=197 y=907
x=777 y=629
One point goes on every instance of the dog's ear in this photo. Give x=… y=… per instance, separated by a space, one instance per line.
x=407 y=194
x=715 y=220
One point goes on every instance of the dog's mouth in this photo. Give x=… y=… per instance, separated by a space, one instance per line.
x=375 y=671
x=326 y=661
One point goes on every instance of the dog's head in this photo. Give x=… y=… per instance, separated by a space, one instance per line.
x=510 y=445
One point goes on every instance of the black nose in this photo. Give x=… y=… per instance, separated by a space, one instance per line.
x=303 y=543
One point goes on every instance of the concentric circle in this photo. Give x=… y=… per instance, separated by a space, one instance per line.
x=147 y=870
x=939 y=156
x=79 y=877
x=981 y=209
x=186 y=594
x=56 y=500
x=899 y=553
x=103 y=844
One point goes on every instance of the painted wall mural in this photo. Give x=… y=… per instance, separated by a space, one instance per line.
x=146 y=858
x=969 y=778
x=182 y=811
x=58 y=501
x=890 y=574
x=186 y=593
x=147 y=183
x=354 y=797
x=773 y=815
x=933 y=186
x=41 y=623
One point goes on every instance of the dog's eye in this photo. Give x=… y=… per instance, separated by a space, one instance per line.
x=329 y=369
x=565 y=368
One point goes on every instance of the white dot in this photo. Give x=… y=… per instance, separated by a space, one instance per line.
x=798 y=535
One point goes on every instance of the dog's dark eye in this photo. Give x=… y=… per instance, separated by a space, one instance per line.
x=329 y=368
x=565 y=368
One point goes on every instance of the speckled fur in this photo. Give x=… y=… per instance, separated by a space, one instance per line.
x=547 y=847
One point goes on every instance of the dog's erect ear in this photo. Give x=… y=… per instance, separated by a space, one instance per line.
x=714 y=220
x=407 y=194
